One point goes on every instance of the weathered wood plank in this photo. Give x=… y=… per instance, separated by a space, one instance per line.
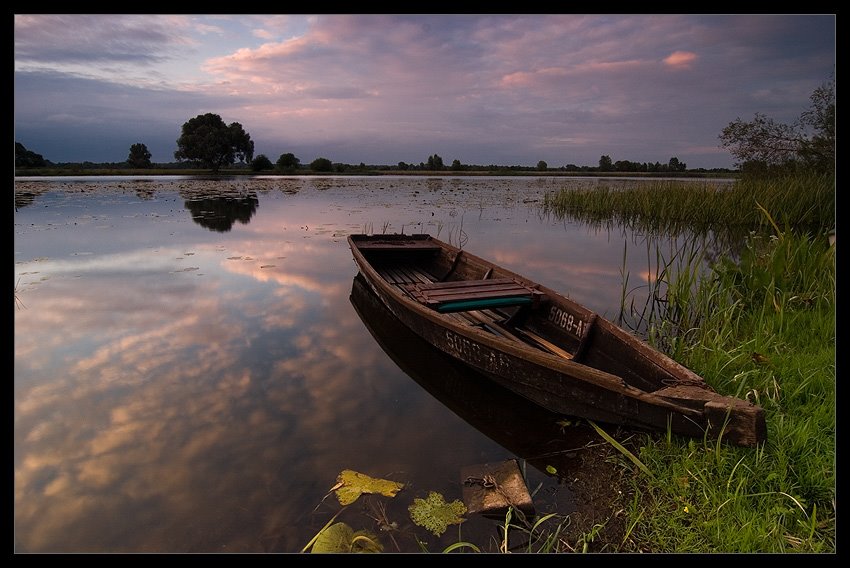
x=441 y=298
x=475 y=292
x=438 y=293
x=494 y=282
x=422 y=276
x=390 y=245
x=489 y=321
x=547 y=345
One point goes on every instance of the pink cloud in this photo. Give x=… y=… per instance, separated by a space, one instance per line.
x=264 y=34
x=526 y=78
x=680 y=59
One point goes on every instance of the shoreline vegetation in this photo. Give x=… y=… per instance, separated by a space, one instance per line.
x=665 y=206
x=224 y=173
x=759 y=323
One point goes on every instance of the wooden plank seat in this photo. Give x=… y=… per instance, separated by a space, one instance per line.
x=399 y=245
x=464 y=295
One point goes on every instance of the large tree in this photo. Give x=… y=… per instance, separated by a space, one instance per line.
x=674 y=165
x=288 y=162
x=208 y=141
x=243 y=146
x=435 y=162
x=819 y=149
x=27 y=158
x=261 y=163
x=321 y=165
x=808 y=142
x=139 y=156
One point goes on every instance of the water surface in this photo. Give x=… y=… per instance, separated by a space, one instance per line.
x=192 y=371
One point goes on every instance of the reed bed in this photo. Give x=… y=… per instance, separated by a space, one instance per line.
x=664 y=206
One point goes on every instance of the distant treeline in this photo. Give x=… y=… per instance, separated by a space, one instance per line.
x=762 y=147
x=27 y=159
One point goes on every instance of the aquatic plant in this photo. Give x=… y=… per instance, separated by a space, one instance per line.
x=351 y=485
x=435 y=514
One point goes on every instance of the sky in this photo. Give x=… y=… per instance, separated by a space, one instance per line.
x=382 y=89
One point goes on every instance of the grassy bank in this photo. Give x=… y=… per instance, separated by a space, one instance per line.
x=667 y=205
x=761 y=327
x=766 y=332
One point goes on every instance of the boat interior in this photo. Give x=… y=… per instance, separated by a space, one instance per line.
x=477 y=294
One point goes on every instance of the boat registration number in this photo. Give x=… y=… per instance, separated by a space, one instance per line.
x=565 y=320
x=475 y=353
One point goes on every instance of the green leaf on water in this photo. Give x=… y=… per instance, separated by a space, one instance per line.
x=435 y=514
x=551 y=469
x=340 y=537
x=351 y=485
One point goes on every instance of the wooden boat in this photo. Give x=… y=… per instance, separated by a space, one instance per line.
x=542 y=345
x=528 y=431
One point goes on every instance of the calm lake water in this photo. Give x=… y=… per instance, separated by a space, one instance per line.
x=195 y=362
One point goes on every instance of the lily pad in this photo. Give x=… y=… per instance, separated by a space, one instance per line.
x=340 y=537
x=435 y=514
x=352 y=484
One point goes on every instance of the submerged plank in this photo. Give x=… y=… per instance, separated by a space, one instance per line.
x=490 y=488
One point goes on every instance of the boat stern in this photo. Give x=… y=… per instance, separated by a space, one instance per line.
x=736 y=421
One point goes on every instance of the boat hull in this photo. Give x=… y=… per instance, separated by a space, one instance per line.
x=649 y=391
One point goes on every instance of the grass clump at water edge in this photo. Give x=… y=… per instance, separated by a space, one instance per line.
x=766 y=332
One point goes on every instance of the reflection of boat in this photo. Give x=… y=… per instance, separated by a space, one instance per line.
x=513 y=422
x=542 y=345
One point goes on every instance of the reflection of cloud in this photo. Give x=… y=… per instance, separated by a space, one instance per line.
x=187 y=407
x=164 y=411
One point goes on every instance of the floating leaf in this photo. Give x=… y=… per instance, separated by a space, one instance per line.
x=340 y=537
x=551 y=469
x=351 y=485
x=435 y=514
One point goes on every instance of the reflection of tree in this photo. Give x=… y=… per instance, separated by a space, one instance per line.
x=434 y=184
x=145 y=193
x=26 y=192
x=219 y=213
x=23 y=198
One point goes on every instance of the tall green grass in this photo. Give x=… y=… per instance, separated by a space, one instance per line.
x=758 y=322
x=766 y=332
x=663 y=206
